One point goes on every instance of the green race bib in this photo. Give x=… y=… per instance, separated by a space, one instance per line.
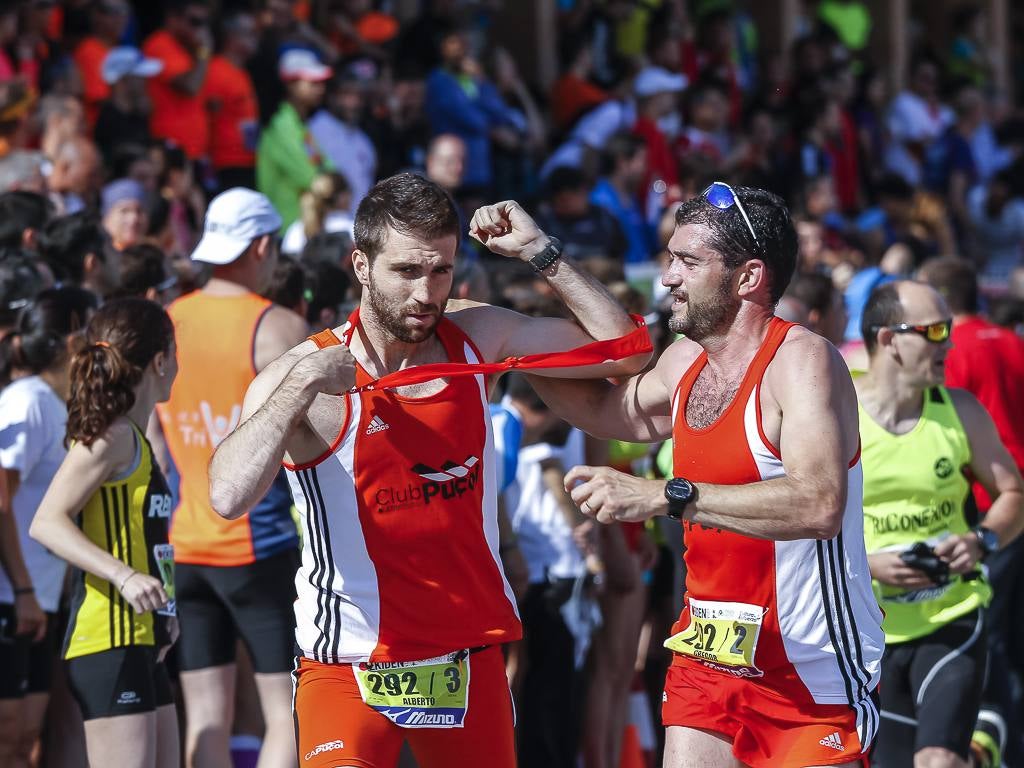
x=164 y=556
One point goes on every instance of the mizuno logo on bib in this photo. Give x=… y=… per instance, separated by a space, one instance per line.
x=418 y=694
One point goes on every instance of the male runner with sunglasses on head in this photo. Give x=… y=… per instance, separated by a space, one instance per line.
x=778 y=646
x=920 y=443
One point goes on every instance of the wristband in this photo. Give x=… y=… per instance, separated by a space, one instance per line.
x=552 y=252
x=24 y=591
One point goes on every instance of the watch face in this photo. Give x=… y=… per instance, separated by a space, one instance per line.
x=989 y=539
x=678 y=489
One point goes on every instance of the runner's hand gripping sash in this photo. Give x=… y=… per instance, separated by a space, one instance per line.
x=637 y=342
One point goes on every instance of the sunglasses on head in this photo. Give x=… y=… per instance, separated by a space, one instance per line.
x=936 y=333
x=721 y=196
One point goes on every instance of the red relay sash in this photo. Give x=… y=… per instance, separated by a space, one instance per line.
x=636 y=342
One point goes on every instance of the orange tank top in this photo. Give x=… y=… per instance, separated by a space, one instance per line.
x=215 y=338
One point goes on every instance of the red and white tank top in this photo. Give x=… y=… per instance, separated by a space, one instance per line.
x=813 y=630
x=400 y=533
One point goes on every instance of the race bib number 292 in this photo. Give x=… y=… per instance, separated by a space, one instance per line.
x=421 y=694
x=721 y=635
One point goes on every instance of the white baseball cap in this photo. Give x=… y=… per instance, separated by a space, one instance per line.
x=128 y=60
x=234 y=219
x=302 y=64
x=652 y=80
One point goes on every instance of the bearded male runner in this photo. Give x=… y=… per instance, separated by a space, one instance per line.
x=777 y=649
x=402 y=603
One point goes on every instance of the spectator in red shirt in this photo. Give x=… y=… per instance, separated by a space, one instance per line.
x=988 y=361
x=107 y=22
x=183 y=45
x=658 y=122
x=231 y=101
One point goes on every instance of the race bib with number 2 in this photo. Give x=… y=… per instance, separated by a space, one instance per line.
x=723 y=636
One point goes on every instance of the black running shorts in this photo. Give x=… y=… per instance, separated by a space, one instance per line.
x=25 y=667
x=121 y=681
x=931 y=692
x=255 y=602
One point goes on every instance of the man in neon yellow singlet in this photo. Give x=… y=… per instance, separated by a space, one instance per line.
x=919 y=442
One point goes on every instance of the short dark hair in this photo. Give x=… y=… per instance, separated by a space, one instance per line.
x=814 y=290
x=66 y=241
x=407 y=203
x=179 y=7
x=288 y=283
x=776 y=242
x=622 y=146
x=883 y=308
x=20 y=211
x=20 y=282
x=326 y=288
x=326 y=247
x=564 y=178
x=143 y=266
x=957 y=281
x=894 y=186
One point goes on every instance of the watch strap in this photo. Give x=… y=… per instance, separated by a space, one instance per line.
x=552 y=252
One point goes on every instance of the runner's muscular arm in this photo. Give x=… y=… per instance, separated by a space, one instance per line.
x=506 y=229
x=638 y=410
x=275 y=406
x=993 y=467
x=819 y=435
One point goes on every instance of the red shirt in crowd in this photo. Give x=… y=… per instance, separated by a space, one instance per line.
x=234 y=122
x=89 y=56
x=661 y=162
x=988 y=361
x=176 y=115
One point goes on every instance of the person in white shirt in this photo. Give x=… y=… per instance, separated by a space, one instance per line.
x=558 y=614
x=32 y=425
x=336 y=131
x=916 y=118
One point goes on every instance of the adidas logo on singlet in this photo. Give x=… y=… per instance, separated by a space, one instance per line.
x=376 y=425
x=833 y=741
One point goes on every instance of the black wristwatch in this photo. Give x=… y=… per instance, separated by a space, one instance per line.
x=552 y=252
x=988 y=539
x=679 y=493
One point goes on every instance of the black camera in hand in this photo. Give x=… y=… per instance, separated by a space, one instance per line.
x=923 y=558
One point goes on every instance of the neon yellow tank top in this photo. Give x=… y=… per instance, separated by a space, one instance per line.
x=914 y=490
x=128 y=518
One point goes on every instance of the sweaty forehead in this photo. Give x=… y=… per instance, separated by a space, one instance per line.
x=400 y=246
x=692 y=239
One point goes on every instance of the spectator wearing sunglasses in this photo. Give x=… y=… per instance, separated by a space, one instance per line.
x=920 y=443
x=183 y=45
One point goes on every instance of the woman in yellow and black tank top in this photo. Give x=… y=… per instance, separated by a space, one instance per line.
x=122 y=615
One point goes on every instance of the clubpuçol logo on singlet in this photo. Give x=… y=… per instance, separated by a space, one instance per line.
x=451 y=481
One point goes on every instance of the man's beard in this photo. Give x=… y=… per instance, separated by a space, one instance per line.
x=392 y=319
x=704 y=318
